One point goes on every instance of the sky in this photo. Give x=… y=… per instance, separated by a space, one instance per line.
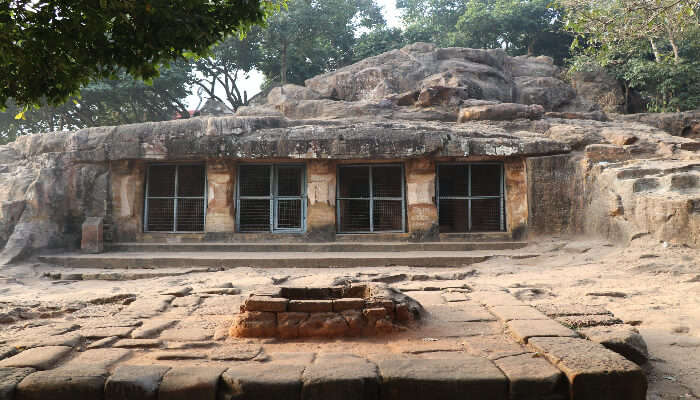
x=252 y=84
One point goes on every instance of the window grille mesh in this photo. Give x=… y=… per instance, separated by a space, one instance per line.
x=289 y=181
x=486 y=215
x=354 y=216
x=354 y=182
x=254 y=180
x=289 y=214
x=453 y=180
x=453 y=215
x=161 y=181
x=190 y=215
x=386 y=181
x=190 y=180
x=254 y=215
x=160 y=215
x=486 y=180
x=388 y=215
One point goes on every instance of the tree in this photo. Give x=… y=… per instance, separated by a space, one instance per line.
x=49 y=49
x=311 y=37
x=531 y=27
x=377 y=41
x=650 y=46
x=217 y=77
x=106 y=102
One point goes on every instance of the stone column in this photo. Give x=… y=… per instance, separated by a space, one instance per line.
x=516 y=197
x=320 y=191
x=421 y=210
x=220 y=205
x=128 y=183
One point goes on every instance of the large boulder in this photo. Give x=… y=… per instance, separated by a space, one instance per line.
x=600 y=88
x=500 y=112
x=290 y=92
x=551 y=93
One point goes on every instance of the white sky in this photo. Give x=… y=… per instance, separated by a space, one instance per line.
x=252 y=84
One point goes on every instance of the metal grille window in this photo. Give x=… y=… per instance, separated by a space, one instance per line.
x=471 y=197
x=175 y=198
x=370 y=198
x=271 y=198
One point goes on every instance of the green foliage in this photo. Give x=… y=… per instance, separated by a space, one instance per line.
x=105 y=102
x=378 y=41
x=311 y=37
x=519 y=26
x=49 y=49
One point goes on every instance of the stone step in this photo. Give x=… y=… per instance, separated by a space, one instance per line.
x=317 y=247
x=172 y=259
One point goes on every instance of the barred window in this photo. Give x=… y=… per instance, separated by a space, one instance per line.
x=175 y=198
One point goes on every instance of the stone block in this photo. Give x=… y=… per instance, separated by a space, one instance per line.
x=355 y=320
x=92 y=230
x=495 y=298
x=101 y=333
x=66 y=383
x=310 y=306
x=622 y=339
x=524 y=329
x=288 y=324
x=441 y=379
x=152 y=328
x=138 y=343
x=265 y=303
x=593 y=371
x=40 y=358
x=255 y=324
x=99 y=358
x=187 y=383
x=261 y=381
x=340 y=377
x=10 y=378
x=7 y=351
x=492 y=346
x=462 y=329
x=531 y=377
x=562 y=310
x=187 y=334
x=236 y=352
x=323 y=325
x=460 y=313
x=584 y=321
x=508 y=313
x=349 y=303
x=135 y=382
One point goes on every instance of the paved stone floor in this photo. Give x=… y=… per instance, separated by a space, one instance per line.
x=163 y=334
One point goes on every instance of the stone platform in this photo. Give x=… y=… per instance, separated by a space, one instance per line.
x=279 y=259
x=473 y=343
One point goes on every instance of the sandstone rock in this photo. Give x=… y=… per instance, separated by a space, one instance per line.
x=255 y=324
x=622 y=339
x=98 y=358
x=290 y=93
x=40 y=358
x=500 y=112
x=288 y=324
x=186 y=383
x=442 y=96
x=92 y=240
x=134 y=382
x=550 y=93
x=236 y=352
x=66 y=383
x=340 y=376
x=524 y=330
x=9 y=378
x=531 y=377
x=600 y=88
x=271 y=380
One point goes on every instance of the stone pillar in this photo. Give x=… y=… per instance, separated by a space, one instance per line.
x=221 y=177
x=92 y=232
x=128 y=183
x=421 y=210
x=320 y=191
x=516 y=197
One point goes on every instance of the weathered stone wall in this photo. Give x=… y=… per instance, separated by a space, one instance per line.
x=554 y=194
x=221 y=183
x=128 y=185
x=516 y=197
x=421 y=210
x=320 y=187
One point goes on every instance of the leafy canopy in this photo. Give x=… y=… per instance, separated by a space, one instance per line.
x=50 y=48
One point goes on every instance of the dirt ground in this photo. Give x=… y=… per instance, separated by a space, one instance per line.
x=653 y=286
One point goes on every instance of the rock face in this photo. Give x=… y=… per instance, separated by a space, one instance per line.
x=401 y=105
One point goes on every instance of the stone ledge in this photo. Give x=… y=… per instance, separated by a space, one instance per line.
x=524 y=329
x=593 y=372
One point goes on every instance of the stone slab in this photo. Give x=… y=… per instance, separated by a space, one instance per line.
x=585 y=321
x=310 y=306
x=451 y=297
x=106 y=342
x=495 y=298
x=348 y=304
x=99 y=358
x=66 y=383
x=66 y=339
x=187 y=383
x=101 y=333
x=441 y=379
x=624 y=340
x=137 y=343
x=562 y=310
x=340 y=377
x=524 y=329
x=262 y=381
x=441 y=329
x=135 y=382
x=266 y=303
x=235 y=352
x=7 y=351
x=187 y=334
x=92 y=235
x=10 y=378
x=492 y=346
x=531 y=377
x=152 y=328
x=594 y=372
x=509 y=313
x=459 y=312
x=40 y=358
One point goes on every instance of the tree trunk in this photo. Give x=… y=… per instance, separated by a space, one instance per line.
x=657 y=56
x=283 y=63
x=676 y=57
